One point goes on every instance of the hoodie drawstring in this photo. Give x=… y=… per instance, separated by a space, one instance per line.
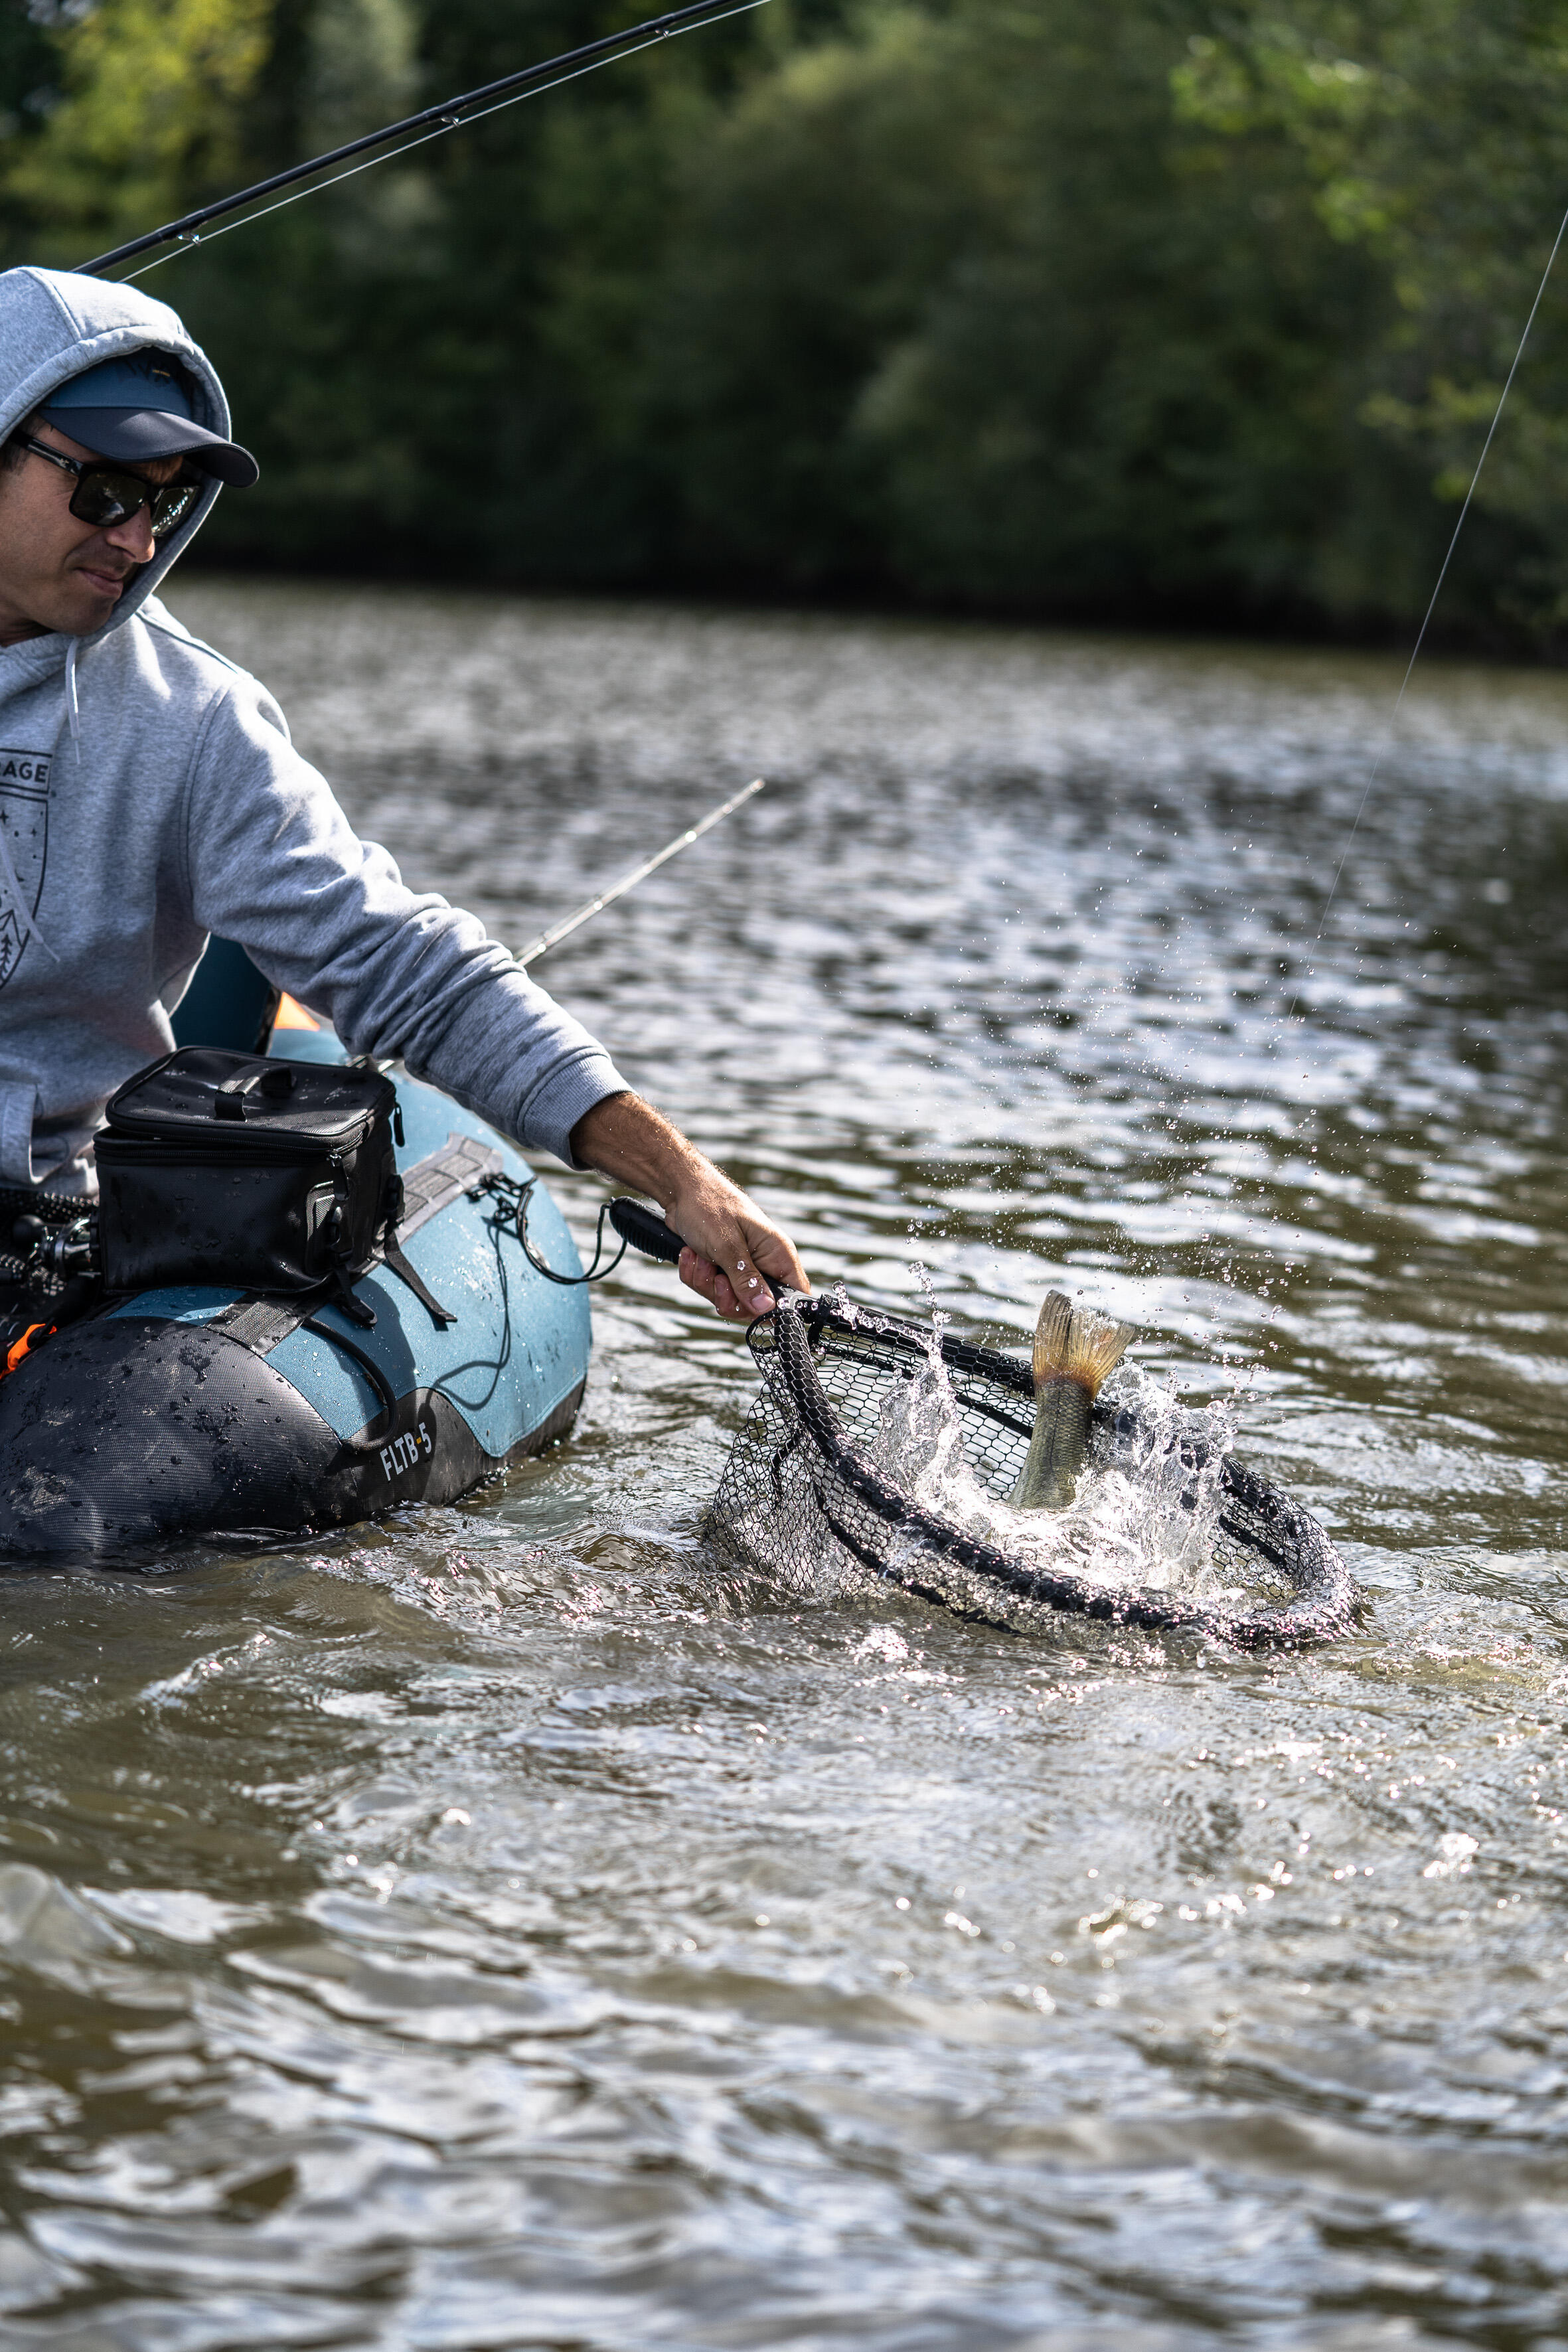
x=73 y=707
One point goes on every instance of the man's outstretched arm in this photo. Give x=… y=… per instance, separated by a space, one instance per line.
x=733 y=1250
x=275 y=865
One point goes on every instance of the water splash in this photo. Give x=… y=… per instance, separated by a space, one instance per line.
x=1148 y=1517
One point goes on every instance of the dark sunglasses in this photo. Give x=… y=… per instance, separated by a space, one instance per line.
x=105 y=495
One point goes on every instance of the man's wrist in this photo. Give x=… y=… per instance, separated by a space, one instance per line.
x=734 y=1255
x=627 y=1140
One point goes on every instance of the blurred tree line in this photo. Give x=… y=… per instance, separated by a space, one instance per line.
x=1133 y=310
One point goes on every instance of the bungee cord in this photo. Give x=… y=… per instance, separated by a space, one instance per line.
x=430 y=122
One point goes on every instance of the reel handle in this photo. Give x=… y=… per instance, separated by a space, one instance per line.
x=646 y=1230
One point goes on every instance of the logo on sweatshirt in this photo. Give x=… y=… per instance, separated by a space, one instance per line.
x=24 y=845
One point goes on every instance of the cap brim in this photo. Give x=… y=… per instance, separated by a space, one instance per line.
x=134 y=435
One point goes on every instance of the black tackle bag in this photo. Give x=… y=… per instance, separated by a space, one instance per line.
x=232 y=1170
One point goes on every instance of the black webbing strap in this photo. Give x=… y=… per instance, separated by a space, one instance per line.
x=372 y=1436
x=391 y=1253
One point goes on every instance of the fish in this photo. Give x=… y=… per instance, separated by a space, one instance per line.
x=1076 y=1348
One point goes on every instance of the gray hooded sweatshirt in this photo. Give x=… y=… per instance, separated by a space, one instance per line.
x=149 y=796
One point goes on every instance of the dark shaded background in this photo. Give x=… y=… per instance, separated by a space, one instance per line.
x=1130 y=310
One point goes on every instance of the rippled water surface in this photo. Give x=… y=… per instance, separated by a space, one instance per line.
x=499 y=1928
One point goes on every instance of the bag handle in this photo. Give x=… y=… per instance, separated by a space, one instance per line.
x=274 y=1079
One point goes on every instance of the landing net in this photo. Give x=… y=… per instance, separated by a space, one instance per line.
x=812 y=1484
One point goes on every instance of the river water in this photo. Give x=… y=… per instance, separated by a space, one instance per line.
x=501 y=1928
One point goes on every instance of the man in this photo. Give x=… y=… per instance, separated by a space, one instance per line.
x=149 y=796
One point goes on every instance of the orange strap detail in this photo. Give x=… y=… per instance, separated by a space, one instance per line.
x=291 y=1014
x=33 y=1336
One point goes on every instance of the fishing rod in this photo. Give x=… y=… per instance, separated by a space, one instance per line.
x=639 y=1226
x=1387 y=743
x=431 y=122
x=570 y=923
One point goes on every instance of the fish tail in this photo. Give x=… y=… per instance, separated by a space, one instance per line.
x=1078 y=1343
x=1075 y=1349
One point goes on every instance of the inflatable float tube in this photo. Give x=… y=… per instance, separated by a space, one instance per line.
x=178 y=1414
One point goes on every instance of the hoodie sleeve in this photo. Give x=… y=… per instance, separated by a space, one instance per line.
x=272 y=862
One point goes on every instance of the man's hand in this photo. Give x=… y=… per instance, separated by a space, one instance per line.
x=732 y=1249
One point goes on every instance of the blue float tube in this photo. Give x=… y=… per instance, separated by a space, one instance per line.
x=183 y=1413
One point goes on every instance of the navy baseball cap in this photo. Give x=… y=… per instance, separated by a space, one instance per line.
x=139 y=407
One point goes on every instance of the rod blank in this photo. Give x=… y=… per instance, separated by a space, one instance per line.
x=446 y=116
x=570 y=923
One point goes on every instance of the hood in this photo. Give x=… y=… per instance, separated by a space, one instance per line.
x=55 y=322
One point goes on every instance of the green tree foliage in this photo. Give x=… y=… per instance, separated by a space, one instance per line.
x=959 y=308
x=149 y=106
x=1132 y=307
x=1434 y=135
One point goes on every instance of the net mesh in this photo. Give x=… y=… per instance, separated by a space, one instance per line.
x=807 y=1490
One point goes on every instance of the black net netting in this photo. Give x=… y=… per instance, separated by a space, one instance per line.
x=862 y=1449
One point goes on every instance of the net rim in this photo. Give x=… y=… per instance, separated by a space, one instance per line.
x=1325 y=1607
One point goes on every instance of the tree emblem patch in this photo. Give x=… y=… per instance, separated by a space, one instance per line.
x=24 y=840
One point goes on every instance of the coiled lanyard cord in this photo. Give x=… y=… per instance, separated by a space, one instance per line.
x=511 y=1215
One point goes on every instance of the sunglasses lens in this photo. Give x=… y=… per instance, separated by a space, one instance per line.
x=102 y=498
x=172 y=506
x=105 y=497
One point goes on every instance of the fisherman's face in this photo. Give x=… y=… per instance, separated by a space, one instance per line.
x=57 y=572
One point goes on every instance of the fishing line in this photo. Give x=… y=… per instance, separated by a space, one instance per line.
x=1432 y=605
x=459 y=122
